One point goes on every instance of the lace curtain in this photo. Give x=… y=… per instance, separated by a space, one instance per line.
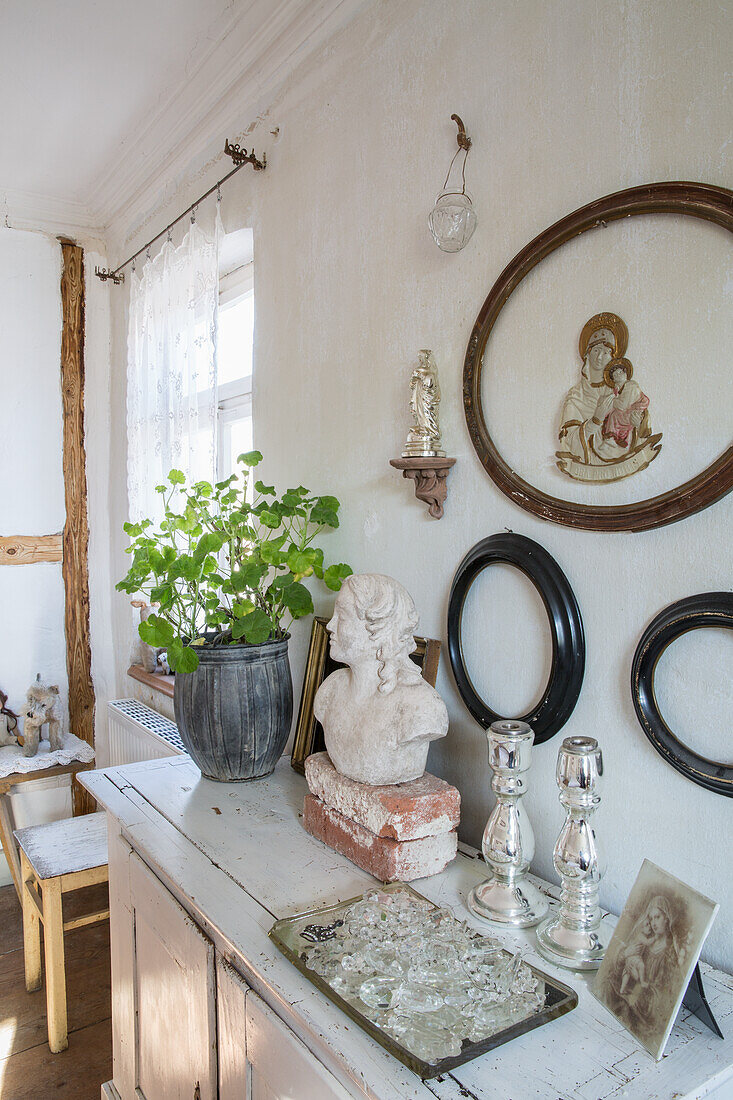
x=171 y=367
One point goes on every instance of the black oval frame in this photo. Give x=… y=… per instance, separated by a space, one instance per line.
x=566 y=627
x=692 y=613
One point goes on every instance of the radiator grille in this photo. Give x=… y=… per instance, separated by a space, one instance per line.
x=138 y=733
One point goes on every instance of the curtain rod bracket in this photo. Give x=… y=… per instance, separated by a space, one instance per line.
x=241 y=156
x=105 y=273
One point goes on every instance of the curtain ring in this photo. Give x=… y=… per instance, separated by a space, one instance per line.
x=218 y=193
x=193 y=216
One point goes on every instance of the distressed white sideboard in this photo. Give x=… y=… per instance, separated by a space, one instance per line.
x=204 y=1006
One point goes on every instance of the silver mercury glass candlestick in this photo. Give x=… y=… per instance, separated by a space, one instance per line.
x=573 y=936
x=508 y=843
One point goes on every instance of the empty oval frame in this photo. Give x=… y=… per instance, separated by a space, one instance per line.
x=706 y=609
x=566 y=627
x=519 y=469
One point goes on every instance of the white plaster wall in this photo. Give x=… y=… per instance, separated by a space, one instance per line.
x=31 y=596
x=565 y=101
x=101 y=484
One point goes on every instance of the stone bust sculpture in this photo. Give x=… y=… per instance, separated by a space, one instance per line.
x=378 y=714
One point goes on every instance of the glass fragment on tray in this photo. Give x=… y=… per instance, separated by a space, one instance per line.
x=431 y=983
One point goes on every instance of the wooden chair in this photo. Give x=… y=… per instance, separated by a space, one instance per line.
x=54 y=859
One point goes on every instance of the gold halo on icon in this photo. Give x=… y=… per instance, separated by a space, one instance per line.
x=614 y=324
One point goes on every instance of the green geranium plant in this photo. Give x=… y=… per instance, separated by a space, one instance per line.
x=224 y=571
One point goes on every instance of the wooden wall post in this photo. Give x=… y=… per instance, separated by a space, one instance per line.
x=76 y=529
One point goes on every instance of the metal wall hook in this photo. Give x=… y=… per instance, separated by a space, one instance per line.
x=464 y=141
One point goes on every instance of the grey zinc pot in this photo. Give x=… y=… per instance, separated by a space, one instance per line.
x=234 y=711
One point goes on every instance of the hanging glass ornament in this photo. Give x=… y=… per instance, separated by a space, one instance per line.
x=453 y=219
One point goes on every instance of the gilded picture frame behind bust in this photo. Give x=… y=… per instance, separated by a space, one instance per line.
x=319 y=664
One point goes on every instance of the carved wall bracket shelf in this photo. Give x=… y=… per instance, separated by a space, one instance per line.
x=429 y=475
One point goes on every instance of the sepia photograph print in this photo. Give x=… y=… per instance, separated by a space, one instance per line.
x=652 y=954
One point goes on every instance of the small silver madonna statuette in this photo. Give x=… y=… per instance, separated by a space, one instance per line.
x=573 y=936
x=508 y=844
x=423 y=439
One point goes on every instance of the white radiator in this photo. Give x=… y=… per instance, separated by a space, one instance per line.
x=135 y=732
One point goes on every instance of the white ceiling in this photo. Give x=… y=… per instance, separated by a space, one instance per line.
x=79 y=78
x=98 y=94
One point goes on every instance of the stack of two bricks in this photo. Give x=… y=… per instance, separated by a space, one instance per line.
x=399 y=832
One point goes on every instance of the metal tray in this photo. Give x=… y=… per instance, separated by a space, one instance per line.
x=287 y=935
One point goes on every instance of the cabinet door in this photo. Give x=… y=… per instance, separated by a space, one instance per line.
x=280 y=1066
x=174 y=990
x=231 y=994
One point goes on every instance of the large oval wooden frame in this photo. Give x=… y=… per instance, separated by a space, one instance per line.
x=697 y=200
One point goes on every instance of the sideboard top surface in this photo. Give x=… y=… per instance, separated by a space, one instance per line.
x=237 y=855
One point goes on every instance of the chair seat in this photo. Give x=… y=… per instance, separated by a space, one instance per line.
x=65 y=847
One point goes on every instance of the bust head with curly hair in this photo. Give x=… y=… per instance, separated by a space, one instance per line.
x=378 y=714
x=375 y=617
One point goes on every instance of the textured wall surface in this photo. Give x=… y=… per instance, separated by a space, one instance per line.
x=31 y=596
x=565 y=102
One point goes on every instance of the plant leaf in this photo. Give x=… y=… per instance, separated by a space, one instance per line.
x=270 y=519
x=335 y=575
x=325 y=517
x=301 y=562
x=209 y=543
x=182 y=658
x=251 y=458
x=298 y=600
x=255 y=628
x=156 y=631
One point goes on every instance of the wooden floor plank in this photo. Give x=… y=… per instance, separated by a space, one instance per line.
x=75 y=1074
x=11 y=920
x=28 y=1070
x=23 y=1016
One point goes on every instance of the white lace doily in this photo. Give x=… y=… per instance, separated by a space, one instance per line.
x=12 y=761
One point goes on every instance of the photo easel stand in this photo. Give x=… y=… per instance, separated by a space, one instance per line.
x=695 y=1000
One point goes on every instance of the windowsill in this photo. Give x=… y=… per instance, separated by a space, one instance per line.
x=158 y=681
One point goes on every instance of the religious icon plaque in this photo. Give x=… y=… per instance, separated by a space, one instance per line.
x=652 y=956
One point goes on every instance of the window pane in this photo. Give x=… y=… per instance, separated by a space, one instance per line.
x=236 y=330
x=240 y=441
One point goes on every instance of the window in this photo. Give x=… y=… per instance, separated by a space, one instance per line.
x=236 y=330
x=234 y=359
x=235 y=339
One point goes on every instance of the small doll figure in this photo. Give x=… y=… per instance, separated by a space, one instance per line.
x=42 y=708
x=8 y=723
x=629 y=407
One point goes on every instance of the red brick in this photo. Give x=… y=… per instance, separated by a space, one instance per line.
x=388 y=860
x=424 y=807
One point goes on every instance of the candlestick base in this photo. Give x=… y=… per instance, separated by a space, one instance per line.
x=573 y=948
x=520 y=905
